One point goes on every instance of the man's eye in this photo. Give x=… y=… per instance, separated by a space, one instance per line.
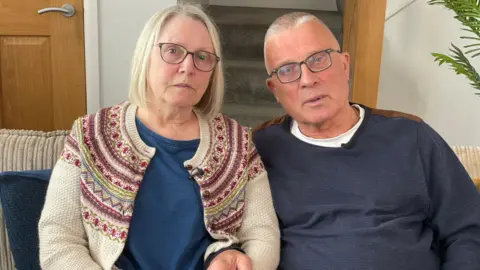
x=286 y=70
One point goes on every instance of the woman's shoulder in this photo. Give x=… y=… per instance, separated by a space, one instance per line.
x=105 y=120
x=105 y=113
x=232 y=122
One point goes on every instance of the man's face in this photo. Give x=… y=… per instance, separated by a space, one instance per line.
x=315 y=97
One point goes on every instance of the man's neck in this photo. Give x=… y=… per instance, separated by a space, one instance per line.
x=341 y=123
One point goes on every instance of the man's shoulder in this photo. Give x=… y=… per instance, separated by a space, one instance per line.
x=393 y=114
x=391 y=122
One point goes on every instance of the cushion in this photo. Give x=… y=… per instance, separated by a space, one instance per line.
x=22 y=150
x=22 y=195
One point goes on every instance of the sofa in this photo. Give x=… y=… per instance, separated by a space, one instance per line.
x=37 y=152
x=22 y=150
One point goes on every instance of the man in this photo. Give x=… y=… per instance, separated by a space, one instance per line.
x=355 y=187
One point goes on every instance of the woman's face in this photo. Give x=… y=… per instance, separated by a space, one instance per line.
x=180 y=84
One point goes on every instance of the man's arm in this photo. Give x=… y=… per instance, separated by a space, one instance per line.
x=454 y=210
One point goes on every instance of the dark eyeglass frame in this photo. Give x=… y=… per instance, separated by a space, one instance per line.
x=328 y=51
x=160 y=45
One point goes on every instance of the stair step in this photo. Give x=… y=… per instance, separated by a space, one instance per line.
x=265 y=16
x=245 y=85
x=252 y=116
x=257 y=64
x=246 y=41
x=243 y=41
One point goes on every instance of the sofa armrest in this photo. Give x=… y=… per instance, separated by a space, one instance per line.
x=25 y=150
x=6 y=258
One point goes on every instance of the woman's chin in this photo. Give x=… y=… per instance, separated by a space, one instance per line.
x=181 y=103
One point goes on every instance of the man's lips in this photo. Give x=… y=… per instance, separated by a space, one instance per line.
x=315 y=99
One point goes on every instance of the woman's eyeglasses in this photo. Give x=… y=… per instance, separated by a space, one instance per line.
x=175 y=54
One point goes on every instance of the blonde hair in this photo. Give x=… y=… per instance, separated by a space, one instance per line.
x=211 y=102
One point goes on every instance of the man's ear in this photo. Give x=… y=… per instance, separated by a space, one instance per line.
x=346 y=63
x=271 y=87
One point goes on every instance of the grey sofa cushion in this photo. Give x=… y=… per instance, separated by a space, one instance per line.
x=22 y=150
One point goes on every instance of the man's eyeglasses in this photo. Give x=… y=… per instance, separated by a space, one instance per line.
x=316 y=62
x=175 y=54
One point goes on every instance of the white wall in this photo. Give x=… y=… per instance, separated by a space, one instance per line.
x=120 y=23
x=412 y=82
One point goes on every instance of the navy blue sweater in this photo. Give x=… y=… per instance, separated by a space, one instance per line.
x=394 y=197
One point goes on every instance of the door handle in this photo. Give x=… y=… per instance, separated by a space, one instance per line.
x=67 y=10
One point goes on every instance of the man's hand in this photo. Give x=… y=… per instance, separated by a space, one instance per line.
x=231 y=260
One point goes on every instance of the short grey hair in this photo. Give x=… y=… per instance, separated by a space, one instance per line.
x=285 y=22
x=288 y=21
x=211 y=102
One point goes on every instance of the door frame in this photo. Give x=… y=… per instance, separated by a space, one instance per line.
x=363 y=27
x=92 y=56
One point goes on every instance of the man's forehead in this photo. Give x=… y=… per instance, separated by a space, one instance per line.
x=281 y=49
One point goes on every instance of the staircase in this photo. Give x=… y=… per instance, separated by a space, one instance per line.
x=242 y=31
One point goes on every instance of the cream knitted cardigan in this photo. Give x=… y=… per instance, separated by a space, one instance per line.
x=89 y=202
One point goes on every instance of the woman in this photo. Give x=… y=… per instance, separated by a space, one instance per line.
x=163 y=181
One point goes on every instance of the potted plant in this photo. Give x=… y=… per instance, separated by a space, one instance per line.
x=468 y=13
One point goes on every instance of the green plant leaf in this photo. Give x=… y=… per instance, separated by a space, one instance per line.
x=460 y=64
x=471 y=51
x=467 y=12
x=472 y=45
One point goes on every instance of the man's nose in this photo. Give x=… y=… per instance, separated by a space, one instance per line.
x=308 y=78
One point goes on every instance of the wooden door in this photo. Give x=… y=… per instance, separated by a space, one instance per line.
x=42 y=67
x=363 y=26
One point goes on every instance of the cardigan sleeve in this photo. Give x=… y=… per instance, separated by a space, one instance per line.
x=259 y=234
x=62 y=237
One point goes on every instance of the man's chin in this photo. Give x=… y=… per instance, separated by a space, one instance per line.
x=317 y=117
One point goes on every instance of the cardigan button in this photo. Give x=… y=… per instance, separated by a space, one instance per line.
x=206 y=194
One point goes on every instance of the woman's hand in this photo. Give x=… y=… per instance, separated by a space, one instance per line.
x=231 y=260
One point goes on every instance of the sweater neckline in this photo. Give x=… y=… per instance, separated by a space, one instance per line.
x=287 y=124
x=132 y=133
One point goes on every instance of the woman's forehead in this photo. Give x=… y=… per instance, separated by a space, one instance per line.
x=186 y=31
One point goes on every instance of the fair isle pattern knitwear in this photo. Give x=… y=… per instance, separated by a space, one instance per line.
x=110 y=159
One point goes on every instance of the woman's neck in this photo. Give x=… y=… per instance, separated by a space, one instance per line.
x=173 y=123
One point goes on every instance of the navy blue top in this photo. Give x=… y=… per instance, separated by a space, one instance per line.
x=394 y=197
x=167 y=230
